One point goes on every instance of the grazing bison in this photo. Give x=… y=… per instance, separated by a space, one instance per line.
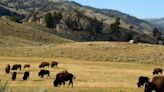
x=14 y=75
x=157 y=71
x=156 y=84
x=43 y=64
x=26 y=66
x=44 y=72
x=142 y=80
x=16 y=66
x=62 y=77
x=7 y=69
x=54 y=63
x=26 y=76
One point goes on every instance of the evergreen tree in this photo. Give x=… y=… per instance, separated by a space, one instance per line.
x=157 y=35
x=155 y=32
x=115 y=26
x=49 y=20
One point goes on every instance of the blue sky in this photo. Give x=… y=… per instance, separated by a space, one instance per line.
x=138 y=8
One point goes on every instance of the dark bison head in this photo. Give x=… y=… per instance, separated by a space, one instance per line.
x=39 y=74
x=139 y=84
x=148 y=87
x=40 y=66
x=55 y=83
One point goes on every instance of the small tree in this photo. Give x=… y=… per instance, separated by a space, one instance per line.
x=115 y=26
x=155 y=32
x=157 y=35
x=117 y=22
x=49 y=20
x=131 y=27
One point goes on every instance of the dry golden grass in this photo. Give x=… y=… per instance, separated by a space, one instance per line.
x=90 y=76
x=13 y=34
x=98 y=66
x=93 y=51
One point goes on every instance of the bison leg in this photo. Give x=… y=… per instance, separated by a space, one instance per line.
x=63 y=83
x=70 y=82
x=48 y=74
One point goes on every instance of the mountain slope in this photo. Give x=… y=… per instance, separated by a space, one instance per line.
x=159 y=22
x=127 y=20
x=80 y=22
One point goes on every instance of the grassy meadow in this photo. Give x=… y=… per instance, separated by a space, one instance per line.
x=94 y=65
x=90 y=76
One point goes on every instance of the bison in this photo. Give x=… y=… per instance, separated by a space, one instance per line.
x=26 y=66
x=157 y=84
x=44 y=72
x=54 y=63
x=142 y=80
x=14 y=75
x=26 y=76
x=7 y=69
x=157 y=71
x=16 y=66
x=43 y=64
x=62 y=77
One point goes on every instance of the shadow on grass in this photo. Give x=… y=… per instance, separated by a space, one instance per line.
x=38 y=80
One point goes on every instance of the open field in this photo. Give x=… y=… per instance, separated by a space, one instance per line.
x=90 y=76
x=98 y=66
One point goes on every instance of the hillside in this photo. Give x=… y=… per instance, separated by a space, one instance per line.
x=78 y=22
x=93 y=51
x=159 y=22
x=14 y=34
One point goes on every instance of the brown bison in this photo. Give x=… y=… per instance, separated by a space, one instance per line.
x=26 y=76
x=157 y=84
x=16 y=66
x=62 y=77
x=14 y=75
x=7 y=69
x=54 y=63
x=43 y=64
x=44 y=72
x=142 y=80
x=26 y=66
x=157 y=71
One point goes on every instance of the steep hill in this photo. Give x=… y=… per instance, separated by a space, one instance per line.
x=78 y=22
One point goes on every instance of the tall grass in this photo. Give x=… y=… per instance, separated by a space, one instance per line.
x=4 y=86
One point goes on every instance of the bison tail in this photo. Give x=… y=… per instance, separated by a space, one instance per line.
x=74 y=77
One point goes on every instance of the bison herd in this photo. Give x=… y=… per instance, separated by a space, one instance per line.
x=156 y=84
x=60 y=79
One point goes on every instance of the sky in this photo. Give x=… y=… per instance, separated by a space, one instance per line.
x=138 y=8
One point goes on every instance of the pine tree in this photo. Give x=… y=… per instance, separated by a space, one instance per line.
x=49 y=20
